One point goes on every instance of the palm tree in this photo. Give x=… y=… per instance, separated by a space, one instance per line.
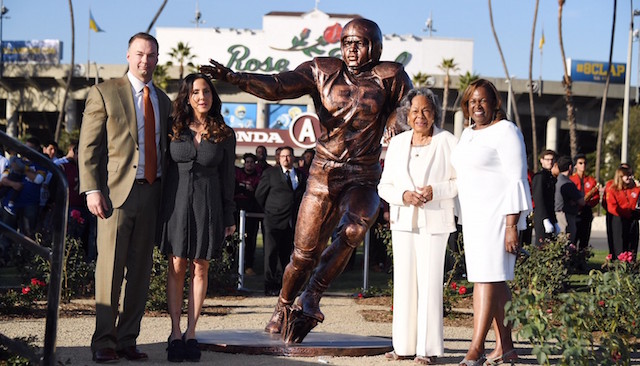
x=463 y=83
x=181 y=54
x=534 y=134
x=567 y=84
x=604 y=96
x=447 y=66
x=506 y=71
x=56 y=135
x=161 y=77
x=420 y=79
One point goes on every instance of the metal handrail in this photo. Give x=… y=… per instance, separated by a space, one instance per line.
x=53 y=255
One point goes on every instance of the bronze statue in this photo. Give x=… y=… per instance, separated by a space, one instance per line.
x=355 y=98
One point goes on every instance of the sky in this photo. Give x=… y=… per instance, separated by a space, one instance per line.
x=586 y=26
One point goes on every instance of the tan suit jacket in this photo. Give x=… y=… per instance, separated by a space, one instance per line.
x=108 y=160
x=108 y=148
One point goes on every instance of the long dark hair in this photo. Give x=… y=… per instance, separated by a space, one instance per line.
x=215 y=130
x=498 y=113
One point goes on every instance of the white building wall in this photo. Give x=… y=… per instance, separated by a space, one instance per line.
x=272 y=49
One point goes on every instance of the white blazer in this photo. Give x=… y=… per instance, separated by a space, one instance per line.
x=438 y=214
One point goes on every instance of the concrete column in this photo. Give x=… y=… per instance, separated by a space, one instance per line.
x=262 y=117
x=12 y=117
x=71 y=115
x=552 y=134
x=458 y=123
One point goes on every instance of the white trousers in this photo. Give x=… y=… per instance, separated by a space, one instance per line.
x=418 y=270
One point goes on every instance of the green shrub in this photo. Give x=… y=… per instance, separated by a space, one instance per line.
x=545 y=267
x=223 y=270
x=78 y=276
x=595 y=326
x=157 y=300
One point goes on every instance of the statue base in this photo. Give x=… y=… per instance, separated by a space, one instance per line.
x=254 y=342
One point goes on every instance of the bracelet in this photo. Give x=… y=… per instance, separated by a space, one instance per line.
x=513 y=226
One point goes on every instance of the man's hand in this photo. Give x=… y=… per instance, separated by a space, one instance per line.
x=97 y=204
x=216 y=71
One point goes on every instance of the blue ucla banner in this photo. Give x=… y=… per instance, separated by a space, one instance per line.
x=48 y=51
x=595 y=71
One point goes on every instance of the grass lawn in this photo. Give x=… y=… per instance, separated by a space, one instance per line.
x=595 y=263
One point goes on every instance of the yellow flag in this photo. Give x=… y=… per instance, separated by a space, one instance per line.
x=93 y=25
x=541 y=40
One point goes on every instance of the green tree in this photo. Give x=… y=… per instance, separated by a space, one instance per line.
x=605 y=93
x=506 y=70
x=567 y=83
x=67 y=88
x=447 y=65
x=534 y=134
x=463 y=83
x=420 y=79
x=182 y=55
x=613 y=143
x=161 y=76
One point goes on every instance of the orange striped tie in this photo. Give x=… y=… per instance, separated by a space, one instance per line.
x=150 y=155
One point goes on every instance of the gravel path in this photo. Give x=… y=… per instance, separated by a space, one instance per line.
x=74 y=334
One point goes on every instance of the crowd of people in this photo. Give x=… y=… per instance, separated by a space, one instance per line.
x=27 y=196
x=149 y=171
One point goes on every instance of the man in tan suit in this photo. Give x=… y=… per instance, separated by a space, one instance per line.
x=121 y=150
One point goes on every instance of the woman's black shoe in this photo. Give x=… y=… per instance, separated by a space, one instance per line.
x=175 y=350
x=192 y=351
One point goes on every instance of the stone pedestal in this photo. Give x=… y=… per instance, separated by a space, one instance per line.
x=255 y=342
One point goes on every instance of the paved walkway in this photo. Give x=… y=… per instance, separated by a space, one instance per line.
x=342 y=316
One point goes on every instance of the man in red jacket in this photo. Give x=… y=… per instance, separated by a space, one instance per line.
x=591 y=190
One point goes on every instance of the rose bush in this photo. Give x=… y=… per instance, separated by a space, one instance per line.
x=596 y=325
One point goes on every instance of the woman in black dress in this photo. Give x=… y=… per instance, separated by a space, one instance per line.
x=198 y=207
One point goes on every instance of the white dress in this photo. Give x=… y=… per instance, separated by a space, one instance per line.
x=492 y=183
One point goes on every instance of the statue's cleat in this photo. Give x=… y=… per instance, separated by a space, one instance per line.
x=274 y=326
x=296 y=325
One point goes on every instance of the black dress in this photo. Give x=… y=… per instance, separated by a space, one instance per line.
x=198 y=196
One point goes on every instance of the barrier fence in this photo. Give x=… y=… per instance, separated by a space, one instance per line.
x=242 y=233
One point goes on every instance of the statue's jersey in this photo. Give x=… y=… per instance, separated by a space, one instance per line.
x=353 y=108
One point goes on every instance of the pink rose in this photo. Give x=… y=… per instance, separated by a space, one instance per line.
x=609 y=257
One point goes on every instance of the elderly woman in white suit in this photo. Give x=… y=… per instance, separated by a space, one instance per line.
x=419 y=184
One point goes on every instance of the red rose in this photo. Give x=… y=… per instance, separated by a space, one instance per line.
x=305 y=33
x=26 y=290
x=454 y=285
x=34 y=281
x=601 y=302
x=360 y=295
x=462 y=290
x=332 y=33
x=609 y=257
